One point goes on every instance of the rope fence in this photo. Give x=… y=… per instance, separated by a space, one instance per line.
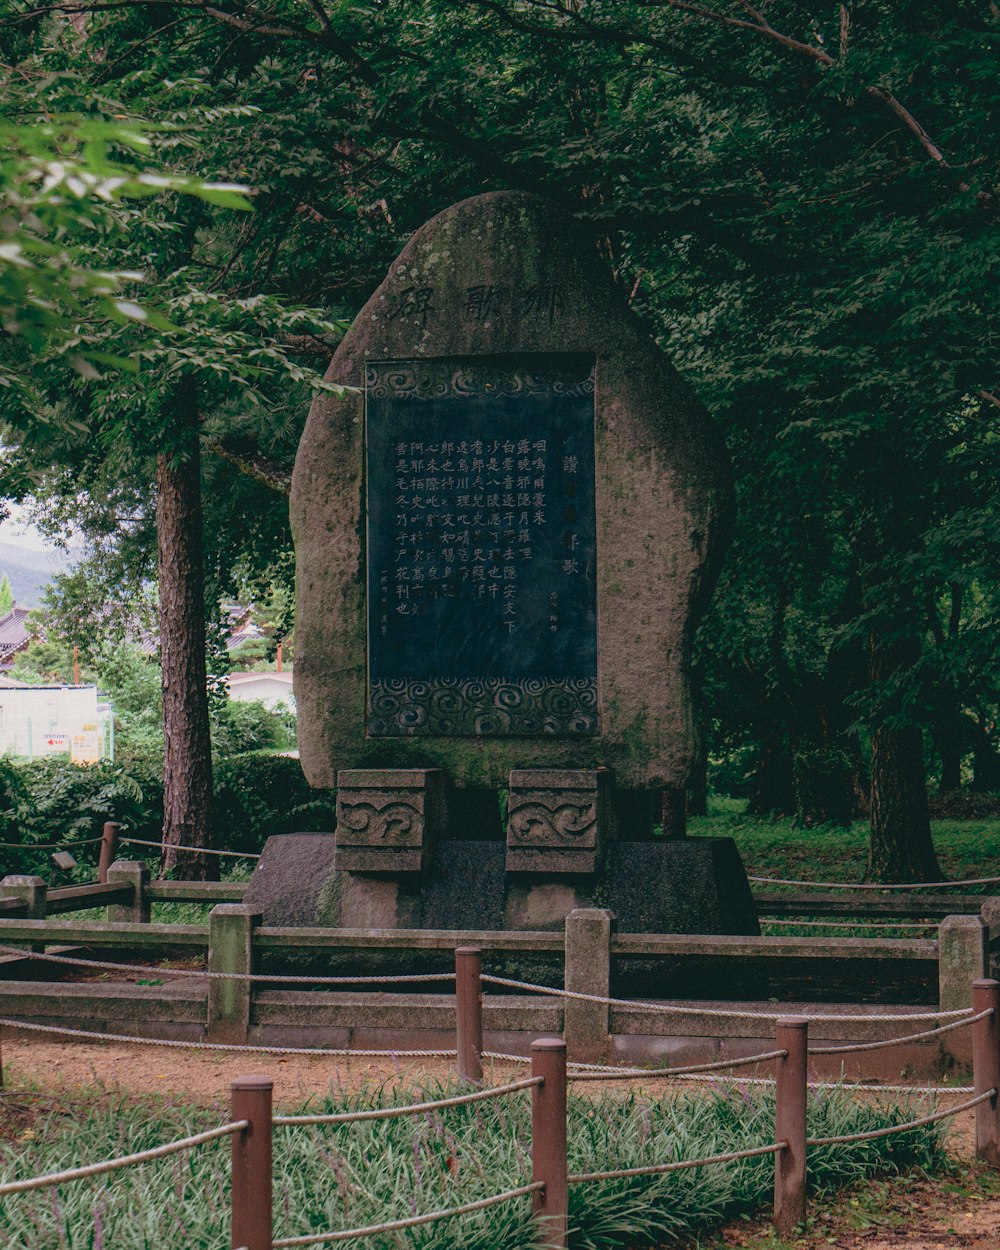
x=871 y=1134
x=854 y=924
x=197 y=850
x=412 y=1221
x=234 y=1047
x=722 y=1065
x=415 y=978
x=252 y=1122
x=900 y=1041
x=113 y=1165
x=416 y=1108
x=867 y=885
x=676 y=1009
x=679 y=1165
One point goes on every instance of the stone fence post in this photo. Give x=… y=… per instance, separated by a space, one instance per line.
x=230 y=949
x=963 y=957
x=586 y=1026
x=32 y=891
x=135 y=874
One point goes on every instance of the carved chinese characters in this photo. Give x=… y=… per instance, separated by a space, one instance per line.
x=482 y=614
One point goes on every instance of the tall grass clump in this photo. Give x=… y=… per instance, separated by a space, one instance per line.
x=328 y=1178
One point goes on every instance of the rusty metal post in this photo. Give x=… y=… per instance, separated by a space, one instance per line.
x=792 y=1036
x=251 y=1185
x=469 y=1012
x=986 y=1069
x=548 y=1140
x=109 y=841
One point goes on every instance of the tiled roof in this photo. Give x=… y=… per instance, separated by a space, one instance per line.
x=14 y=636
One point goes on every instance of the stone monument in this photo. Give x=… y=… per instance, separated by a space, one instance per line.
x=505 y=534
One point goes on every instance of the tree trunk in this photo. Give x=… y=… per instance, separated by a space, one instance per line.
x=187 y=757
x=900 y=848
x=674 y=818
x=985 y=762
x=773 y=790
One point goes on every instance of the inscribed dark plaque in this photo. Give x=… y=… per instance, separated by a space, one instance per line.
x=482 y=616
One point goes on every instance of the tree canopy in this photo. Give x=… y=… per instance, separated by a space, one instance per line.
x=800 y=200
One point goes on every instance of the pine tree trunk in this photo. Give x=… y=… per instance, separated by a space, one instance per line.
x=187 y=758
x=900 y=848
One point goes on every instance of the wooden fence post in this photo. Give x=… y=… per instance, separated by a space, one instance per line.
x=251 y=1184
x=469 y=1012
x=548 y=1140
x=986 y=1069
x=109 y=841
x=792 y=1036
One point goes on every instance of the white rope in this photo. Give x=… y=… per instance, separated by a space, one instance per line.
x=871 y=1134
x=415 y=1108
x=399 y=978
x=721 y=1066
x=112 y=1165
x=47 y=846
x=856 y=924
x=853 y=885
x=899 y=1041
x=572 y=1063
x=860 y=1086
x=654 y=1169
x=718 y=1013
x=430 y=1218
x=198 y=850
x=257 y=1050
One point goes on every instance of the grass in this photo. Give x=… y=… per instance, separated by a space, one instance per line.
x=780 y=848
x=348 y=1176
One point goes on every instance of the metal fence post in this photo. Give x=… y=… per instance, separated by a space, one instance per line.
x=469 y=1012
x=109 y=840
x=548 y=1140
x=792 y=1036
x=986 y=1069
x=251 y=1184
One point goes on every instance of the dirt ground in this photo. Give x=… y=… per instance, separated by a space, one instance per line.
x=913 y=1212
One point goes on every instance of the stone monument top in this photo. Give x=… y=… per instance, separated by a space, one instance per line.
x=505 y=535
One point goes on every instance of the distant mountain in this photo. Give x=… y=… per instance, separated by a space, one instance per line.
x=30 y=571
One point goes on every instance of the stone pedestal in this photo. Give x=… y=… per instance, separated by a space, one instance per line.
x=387 y=819
x=558 y=820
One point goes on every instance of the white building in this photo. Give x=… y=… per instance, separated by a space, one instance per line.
x=271 y=689
x=55 y=720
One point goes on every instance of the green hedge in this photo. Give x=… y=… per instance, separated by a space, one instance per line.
x=53 y=801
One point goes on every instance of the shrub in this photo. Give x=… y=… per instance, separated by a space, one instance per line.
x=257 y=794
x=53 y=801
x=332 y=1177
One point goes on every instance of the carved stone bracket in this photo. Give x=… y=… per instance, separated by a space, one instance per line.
x=388 y=818
x=558 y=820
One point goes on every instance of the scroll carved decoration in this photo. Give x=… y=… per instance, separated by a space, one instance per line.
x=540 y=823
x=370 y=823
x=557 y=820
